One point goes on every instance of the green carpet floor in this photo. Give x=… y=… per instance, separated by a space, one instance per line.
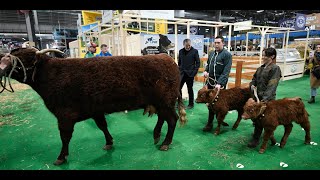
x=30 y=140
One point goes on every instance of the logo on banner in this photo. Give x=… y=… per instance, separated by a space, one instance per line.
x=193 y=30
x=301 y=21
x=151 y=41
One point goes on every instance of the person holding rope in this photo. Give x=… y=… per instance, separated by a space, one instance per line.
x=218 y=66
x=264 y=84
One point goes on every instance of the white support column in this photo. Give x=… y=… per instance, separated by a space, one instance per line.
x=113 y=36
x=176 y=43
x=147 y=26
x=306 y=46
x=139 y=25
x=122 y=36
x=215 y=31
x=229 y=37
x=118 y=43
x=284 y=40
x=235 y=44
x=188 y=29
x=267 y=40
x=285 y=52
x=247 y=43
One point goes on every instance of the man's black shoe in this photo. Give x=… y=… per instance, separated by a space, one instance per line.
x=190 y=106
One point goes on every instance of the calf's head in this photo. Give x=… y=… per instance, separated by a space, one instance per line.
x=206 y=95
x=253 y=109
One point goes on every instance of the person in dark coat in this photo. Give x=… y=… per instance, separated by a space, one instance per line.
x=314 y=80
x=189 y=63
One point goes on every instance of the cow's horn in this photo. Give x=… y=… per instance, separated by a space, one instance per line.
x=43 y=51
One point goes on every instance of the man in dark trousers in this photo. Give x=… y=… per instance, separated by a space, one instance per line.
x=189 y=63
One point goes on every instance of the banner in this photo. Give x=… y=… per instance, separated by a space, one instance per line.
x=161 y=26
x=157 y=14
x=91 y=17
x=313 y=21
x=164 y=43
x=85 y=28
x=300 y=22
x=244 y=25
x=107 y=16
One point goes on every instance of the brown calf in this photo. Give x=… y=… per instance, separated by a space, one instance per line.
x=278 y=112
x=227 y=100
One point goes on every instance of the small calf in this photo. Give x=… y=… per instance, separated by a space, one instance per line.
x=278 y=112
x=226 y=100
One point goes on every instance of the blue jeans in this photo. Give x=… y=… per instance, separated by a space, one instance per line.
x=313 y=91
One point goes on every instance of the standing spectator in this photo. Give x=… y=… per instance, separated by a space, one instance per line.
x=218 y=65
x=189 y=63
x=266 y=80
x=104 y=51
x=314 y=75
x=91 y=50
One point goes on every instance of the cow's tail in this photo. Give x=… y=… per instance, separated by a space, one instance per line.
x=182 y=111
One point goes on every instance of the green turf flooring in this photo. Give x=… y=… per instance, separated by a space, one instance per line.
x=30 y=140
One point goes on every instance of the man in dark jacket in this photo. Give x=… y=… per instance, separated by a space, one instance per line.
x=189 y=63
x=218 y=65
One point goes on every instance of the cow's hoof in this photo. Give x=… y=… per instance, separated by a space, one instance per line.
x=164 y=147
x=234 y=127
x=307 y=142
x=253 y=144
x=281 y=145
x=107 y=147
x=156 y=140
x=216 y=133
x=261 y=151
x=225 y=124
x=59 y=162
x=207 y=129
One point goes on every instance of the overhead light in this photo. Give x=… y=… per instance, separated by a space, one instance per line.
x=207 y=29
x=259 y=11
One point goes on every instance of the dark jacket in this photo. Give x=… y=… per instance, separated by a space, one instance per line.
x=1 y=72
x=266 y=80
x=219 y=66
x=189 y=62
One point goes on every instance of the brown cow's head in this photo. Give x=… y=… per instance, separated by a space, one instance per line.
x=206 y=95
x=23 y=62
x=252 y=109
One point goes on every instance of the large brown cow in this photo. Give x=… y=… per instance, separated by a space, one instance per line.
x=77 y=89
x=273 y=113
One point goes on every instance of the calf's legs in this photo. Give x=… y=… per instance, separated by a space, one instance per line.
x=287 y=131
x=266 y=135
x=236 y=124
x=209 y=124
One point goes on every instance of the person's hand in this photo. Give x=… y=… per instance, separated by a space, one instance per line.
x=4 y=62
x=217 y=86
x=205 y=74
